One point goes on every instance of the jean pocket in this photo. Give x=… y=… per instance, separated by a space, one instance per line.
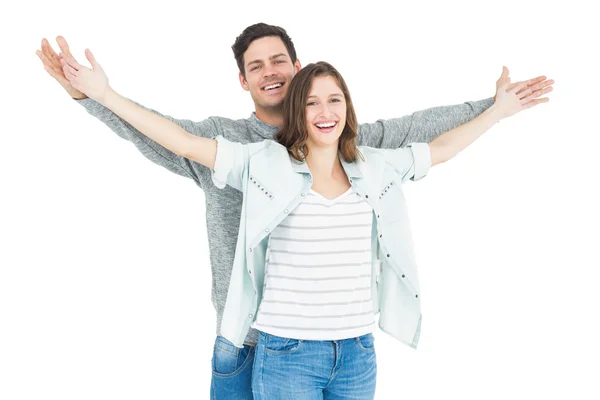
x=228 y=359
x=366 y=342
x=280 y=345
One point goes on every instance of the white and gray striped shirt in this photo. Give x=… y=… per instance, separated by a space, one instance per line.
x=318 y=272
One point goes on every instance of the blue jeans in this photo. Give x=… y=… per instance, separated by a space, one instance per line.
x=293 y=369
x=231 y=371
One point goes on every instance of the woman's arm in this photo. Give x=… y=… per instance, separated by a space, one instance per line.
x=449 y=144
x=508 y=102
x=94 y=84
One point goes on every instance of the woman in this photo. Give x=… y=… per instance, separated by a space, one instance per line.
x=324 y=242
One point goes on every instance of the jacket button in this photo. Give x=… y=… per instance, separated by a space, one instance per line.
x=404 y=276
x=267 y=230
x=366 y=196
x=388 y=255
x=303 y=194
x=250 y=250
x=377 y=215
x=250 y=316
x=416 y=296
x=380 y=235
x=285 y=211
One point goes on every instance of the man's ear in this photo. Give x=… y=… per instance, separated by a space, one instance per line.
x=243 y=82
x=297 y=66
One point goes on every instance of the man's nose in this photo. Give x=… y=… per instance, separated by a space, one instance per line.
x=268 y=71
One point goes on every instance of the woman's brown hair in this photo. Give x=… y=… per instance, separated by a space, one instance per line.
x=294 y=132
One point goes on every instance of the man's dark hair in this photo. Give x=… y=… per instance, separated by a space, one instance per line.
x=258 y=31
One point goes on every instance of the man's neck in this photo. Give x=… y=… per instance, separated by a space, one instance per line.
x=271 y=116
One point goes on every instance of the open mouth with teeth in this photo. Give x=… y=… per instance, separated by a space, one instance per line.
x=326 y=127
x=273 y=87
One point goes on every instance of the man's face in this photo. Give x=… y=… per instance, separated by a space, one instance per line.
x=269 y=71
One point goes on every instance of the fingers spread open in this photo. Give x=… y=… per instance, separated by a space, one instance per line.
x=518 y=88
x=91 y=58
x=49 y=65
x=63 y=45
x=70 y=61
x=535 y=102
x=537 y=93
x=526 y=91
x=50 y=53
x=70 y=72
x=536 y=80
x=542 y=85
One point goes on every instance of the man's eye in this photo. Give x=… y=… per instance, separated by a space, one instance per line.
x=254 y=68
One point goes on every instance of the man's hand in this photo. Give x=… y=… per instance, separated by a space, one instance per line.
x=530 y=90
x=53 y=66
x=91 y=82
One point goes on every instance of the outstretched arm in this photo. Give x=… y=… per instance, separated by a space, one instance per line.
x=148 y=148
x=424 y=126
x=510 y=99
x=94 y=84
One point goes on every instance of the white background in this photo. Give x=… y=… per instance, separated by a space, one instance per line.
x=105 y=278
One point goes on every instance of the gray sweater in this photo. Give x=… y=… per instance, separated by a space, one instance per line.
x=223 y=206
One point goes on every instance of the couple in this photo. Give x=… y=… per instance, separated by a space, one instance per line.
x=322 y=243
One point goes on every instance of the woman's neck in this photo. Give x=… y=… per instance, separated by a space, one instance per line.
x=324 y=161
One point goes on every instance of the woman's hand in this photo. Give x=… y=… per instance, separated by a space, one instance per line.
x=510 y=99
x=54 y=67
x=92 y=82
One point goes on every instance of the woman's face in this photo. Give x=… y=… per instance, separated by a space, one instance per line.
x=325 y=112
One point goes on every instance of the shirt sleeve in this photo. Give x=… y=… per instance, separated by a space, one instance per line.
x=412 y=162
x=419 y=127
x=231 y=163
x=152 y=150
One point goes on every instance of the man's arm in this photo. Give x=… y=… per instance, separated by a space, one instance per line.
x=419 y=127
x=150 y=149
x=94 y=83
x=424 y=126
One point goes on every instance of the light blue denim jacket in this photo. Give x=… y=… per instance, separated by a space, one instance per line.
x=273 y=184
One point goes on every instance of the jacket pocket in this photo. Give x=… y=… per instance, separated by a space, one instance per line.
x=258 y=197
x=391 y=199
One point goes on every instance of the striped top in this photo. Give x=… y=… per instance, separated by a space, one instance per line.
x=318 y=271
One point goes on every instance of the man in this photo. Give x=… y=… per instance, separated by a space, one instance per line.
x=267 y=62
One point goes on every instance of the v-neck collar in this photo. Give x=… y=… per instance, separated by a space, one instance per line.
x=334 y=200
